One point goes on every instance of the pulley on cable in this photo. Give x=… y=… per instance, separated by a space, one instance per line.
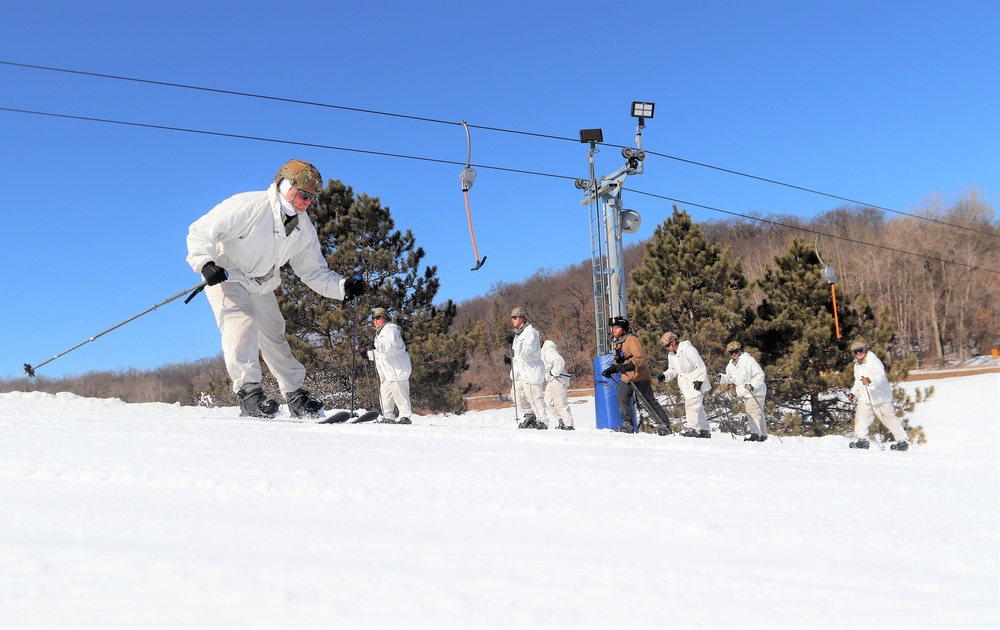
x=468 y=177
x=828 y=275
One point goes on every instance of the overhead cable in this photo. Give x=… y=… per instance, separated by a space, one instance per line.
x=486 y=128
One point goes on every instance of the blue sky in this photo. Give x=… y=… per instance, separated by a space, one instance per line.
x=889 y=103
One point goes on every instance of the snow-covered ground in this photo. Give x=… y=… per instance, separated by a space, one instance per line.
x=154 y=515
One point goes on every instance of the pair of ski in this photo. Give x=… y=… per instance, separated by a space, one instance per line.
x=348 y=417
x=659 y=425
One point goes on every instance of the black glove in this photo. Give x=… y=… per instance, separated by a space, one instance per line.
x=353 y=287
x=626 y=367
x=510 y=339
x=506 y=360
x=697 y=385
x=611 y=369
x=213 y=273
x=619 y=358
x=661 y=377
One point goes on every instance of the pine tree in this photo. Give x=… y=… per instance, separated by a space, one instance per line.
x=690 y=286
x=804 y=362
x=358 y=237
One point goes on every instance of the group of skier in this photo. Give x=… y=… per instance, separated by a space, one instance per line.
x=241 y=244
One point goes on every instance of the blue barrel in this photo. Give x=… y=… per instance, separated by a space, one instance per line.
x=606 y=396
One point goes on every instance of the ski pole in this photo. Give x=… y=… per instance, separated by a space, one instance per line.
x=195 y=290
x=874 y=416
x=763 y=413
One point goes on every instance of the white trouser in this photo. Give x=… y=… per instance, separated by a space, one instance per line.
x=395 y=397
x=557 y=400
x=864 y=415
x=694 y=408
x=529 y=397
x=251 y=326
x=755 y=414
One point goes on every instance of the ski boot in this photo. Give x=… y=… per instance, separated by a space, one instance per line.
x=384 y=420
x=859 y=444
x=403 y=421
x=900 y=446
x=565 y=427
x=254 y=403
x=626 y=427
x=752 y=438
x=695 y=433
x=761 y=438
x=302 y=405
x=528 y=422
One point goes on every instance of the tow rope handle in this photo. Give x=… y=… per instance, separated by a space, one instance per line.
x=468 y=176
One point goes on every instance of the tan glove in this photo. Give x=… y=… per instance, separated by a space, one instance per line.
x=749 y=387
x=866 y=380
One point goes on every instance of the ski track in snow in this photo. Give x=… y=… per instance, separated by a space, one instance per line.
x=153 y=515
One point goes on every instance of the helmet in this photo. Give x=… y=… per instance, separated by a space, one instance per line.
x=668 y=338
x=859 y=345
x=618 y=322
x=734 y=346
x=302 y=175
x=380 y=312
x=519 y=312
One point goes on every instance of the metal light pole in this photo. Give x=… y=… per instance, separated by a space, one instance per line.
x=608 y=220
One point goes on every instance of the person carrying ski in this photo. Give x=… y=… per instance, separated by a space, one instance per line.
x=744 y=372
x=556 y=385
x=685 y=364
x=527 y=372
x=239 y=248
x=392 y=363
x=872 y=393
x=631 y=363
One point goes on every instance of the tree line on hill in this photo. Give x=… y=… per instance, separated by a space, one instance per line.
x=918 y=289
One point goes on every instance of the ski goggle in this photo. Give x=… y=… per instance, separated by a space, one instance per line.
x=306 y=196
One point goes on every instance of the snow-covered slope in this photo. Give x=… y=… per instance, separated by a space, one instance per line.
x=161 y=515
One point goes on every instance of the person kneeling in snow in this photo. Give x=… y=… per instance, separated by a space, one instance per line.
x=392 y=363
x=873 y=394
x=239 y=247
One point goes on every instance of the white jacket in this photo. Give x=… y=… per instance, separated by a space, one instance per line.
x=391 y=360
x=555 y=365
x=880 y=388
x=742 y=370
x=686 y=366
x=245 y=235
x=527 y=360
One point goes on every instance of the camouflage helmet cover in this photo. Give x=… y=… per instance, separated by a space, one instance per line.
x=301 y=175
x=668 y=338
x=519 y=311
x=734 y=346
x=859 y=344
x=380 y=312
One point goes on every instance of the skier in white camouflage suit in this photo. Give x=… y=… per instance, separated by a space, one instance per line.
x=527 y=372
x=239 y=248
x=687 y=366
x=392 y=363
x=744 y=372
x=872 y=392
x=556 y=385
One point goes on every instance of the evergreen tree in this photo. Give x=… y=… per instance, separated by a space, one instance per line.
x=358 y=237
x=803 y=360
x=691 y=286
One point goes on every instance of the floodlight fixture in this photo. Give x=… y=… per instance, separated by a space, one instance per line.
x=591 y=135
x=642 y=110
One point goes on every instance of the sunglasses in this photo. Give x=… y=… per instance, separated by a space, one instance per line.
x=860 y=351
x=378 y=317
x=306 y=196
x=734 y=352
